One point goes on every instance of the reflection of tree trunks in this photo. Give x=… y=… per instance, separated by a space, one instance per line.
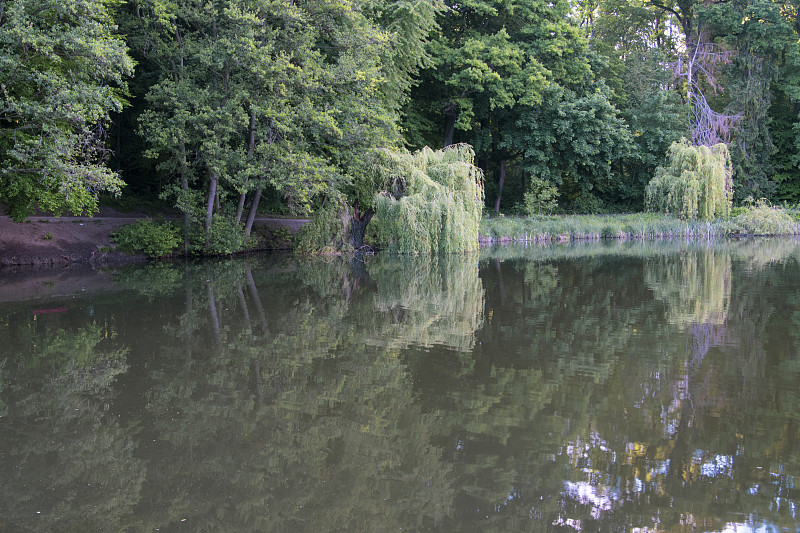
x=245 y=311
x=679 y=456
x=500 y=281
x=259 y=384
x=212 y=306
x=500 y=182
x=189 y=302
x=360 y=276
x=251 y=287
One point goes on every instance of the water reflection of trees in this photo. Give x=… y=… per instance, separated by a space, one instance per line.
x=695 y=286
x=505 y=393
x=671 y=421
x=66 y=462
x=282 y=403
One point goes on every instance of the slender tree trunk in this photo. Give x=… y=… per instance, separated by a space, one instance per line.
x=450 y=124
x=251 y=146
x=212 y=194
x=240 y=207
x=500 y=182
x=185 y=188
x=251 y=216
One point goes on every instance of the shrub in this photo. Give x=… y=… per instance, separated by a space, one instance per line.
x=153 y=238
x=764 y=219
x=224 y=237
x=541 y=198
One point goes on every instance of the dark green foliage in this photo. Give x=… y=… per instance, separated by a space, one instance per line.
x=148 y=236
x=256 y=95
x=224 y=237
x=572 y=136
x=62 y=72
x=515 y=80
x=656 y=118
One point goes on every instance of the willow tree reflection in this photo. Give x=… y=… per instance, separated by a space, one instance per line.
x=585 y=388
x=696 y=287
x=651 y=406
x=282 y=401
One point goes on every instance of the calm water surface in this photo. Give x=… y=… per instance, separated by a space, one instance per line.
x=604 y=387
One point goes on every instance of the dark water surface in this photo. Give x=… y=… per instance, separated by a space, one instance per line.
x=604 y=387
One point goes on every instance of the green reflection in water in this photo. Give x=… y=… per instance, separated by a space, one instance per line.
x=601 y=388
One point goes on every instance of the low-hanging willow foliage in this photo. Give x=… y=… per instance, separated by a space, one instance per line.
x=696 y=182
x=436 y=201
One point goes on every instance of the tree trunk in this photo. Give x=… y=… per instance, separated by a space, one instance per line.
x=358 y=225
x=450 y=124
x=240 y=207
x=185 y=188
x=212 y=195
x=251 y=216
x=500 y=183
x=251 y=146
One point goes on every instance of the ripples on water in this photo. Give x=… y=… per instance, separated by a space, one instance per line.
x=603 y=387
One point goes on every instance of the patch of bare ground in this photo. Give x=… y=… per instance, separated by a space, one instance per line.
x=47 y=242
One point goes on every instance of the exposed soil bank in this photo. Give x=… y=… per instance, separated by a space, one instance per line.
x=43 y=242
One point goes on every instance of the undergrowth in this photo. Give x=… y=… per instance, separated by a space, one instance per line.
x=148 y=236
x=757 y=220
x=762 y=218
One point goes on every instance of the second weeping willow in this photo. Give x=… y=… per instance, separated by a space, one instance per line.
x=696 y=182
x=434 y=203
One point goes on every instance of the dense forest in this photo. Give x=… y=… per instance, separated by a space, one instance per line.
x=227 y=107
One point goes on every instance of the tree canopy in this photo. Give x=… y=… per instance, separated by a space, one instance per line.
x=63 y=70
x=248 y=105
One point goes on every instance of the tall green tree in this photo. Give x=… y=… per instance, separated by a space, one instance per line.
x=761 y=35
x=637 y=42
x=62 y=72
x=500 y=68
x=268 y=93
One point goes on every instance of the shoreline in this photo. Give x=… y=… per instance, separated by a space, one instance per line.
x=54 y=243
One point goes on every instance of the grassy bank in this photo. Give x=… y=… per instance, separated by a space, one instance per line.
x=751 y=221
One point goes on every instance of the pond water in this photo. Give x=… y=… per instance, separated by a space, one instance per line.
x=601 y=387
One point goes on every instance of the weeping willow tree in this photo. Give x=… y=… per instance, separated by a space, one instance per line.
x=434 y=202
x=695 y=183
